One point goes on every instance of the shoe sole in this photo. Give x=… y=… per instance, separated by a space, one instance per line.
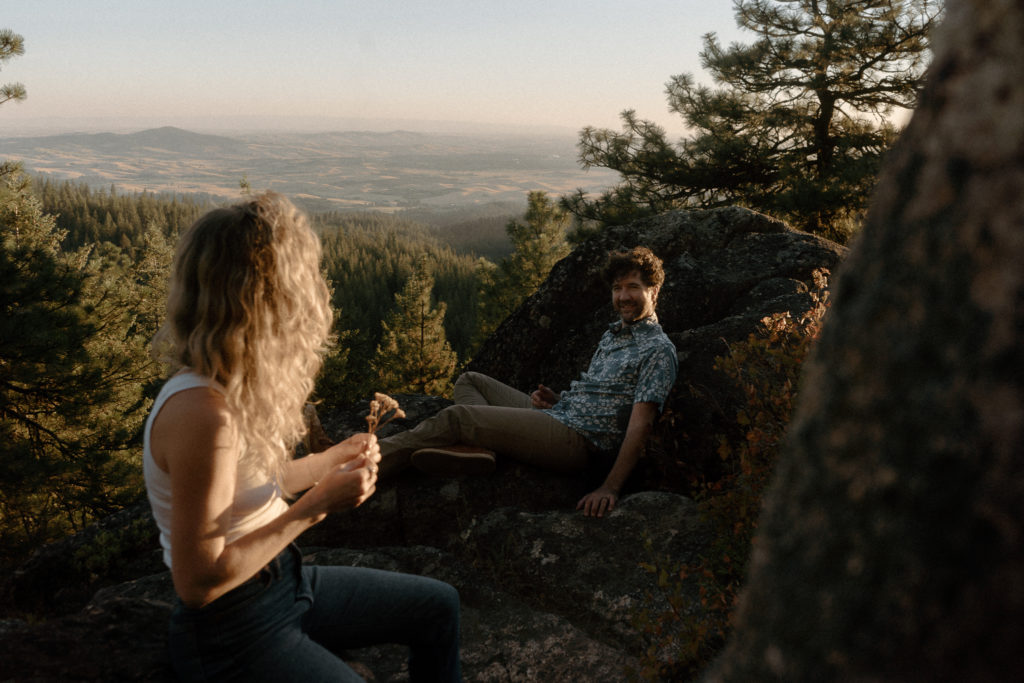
x=444 y=463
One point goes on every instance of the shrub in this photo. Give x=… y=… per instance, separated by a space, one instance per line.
x=682 y=638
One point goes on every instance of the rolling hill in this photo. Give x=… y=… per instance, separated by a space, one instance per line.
x=325 y=171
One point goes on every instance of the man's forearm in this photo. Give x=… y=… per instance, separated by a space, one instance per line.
x=641 y=420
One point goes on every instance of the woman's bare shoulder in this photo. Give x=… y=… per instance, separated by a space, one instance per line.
x=196 y=407
x=190 y=423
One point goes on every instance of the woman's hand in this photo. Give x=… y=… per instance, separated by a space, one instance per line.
x=304 y=473
x=358 y=445
x=347 y=486
x=351 y=476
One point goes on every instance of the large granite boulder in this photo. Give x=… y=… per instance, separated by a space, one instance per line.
x=892 y=545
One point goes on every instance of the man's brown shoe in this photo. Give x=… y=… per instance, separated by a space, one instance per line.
x=454 y=461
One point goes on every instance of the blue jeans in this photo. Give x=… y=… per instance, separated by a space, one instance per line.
x=290 y=622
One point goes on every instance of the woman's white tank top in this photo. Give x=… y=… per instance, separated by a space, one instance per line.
x=257 y=501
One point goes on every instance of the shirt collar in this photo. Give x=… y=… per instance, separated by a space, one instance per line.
x=642 y=325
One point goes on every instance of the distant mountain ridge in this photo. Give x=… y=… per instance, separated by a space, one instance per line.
x=168 y=138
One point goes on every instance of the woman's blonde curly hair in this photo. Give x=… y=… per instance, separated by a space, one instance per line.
x=249 y=308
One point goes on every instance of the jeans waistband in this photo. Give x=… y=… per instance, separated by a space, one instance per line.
x=287 y=561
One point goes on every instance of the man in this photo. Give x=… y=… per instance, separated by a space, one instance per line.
x=609 y=409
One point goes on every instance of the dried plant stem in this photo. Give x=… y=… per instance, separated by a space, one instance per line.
x=383 y=409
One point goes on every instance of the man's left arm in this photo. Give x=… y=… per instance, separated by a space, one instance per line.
x=602 y=500
x=655 y=380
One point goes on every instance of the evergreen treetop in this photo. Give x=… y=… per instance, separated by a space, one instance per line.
x=796 y=127
x=539 y=241
x=11 y=45
x=413 y=355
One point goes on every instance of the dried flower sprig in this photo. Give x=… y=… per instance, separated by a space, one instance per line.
x=383 y=409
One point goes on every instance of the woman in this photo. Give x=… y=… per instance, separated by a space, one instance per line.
x=248 y=318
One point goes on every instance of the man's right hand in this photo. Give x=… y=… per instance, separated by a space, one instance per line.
x=543 y=397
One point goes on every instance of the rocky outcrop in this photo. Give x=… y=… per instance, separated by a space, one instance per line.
x=545 y=597
x=725 y=270
x=548 y=595
x=892 y=545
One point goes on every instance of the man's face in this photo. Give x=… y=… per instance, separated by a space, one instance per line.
x=632 y=299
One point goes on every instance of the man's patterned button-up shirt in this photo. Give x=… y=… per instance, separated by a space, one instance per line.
x=634 y=363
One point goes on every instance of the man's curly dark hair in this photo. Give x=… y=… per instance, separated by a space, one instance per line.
x=639 y=259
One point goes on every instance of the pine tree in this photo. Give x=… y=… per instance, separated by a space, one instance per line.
x=414 y=356
x=539 y=241
x=368 y=258
x=797 y=128
x=73 y=368
x=11 y=45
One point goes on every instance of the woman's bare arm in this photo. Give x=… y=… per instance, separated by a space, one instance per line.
x=193 y=437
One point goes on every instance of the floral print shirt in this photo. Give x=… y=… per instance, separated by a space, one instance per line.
x=633 y=363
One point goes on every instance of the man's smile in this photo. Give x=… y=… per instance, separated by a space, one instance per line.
x=633 y=299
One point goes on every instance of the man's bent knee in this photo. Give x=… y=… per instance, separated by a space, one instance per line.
x=468 y=378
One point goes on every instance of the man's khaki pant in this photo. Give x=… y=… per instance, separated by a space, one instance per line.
x=494 y=416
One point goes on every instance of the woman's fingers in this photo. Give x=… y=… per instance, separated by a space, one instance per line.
x=350 y=485
x=355 y=446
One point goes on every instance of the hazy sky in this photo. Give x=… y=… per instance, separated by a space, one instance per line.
x=120 y=64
